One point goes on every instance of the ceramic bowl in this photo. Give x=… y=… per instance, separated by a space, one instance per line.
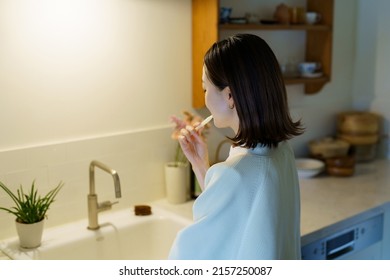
x=308 y=167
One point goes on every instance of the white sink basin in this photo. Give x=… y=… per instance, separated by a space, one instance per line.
x=122 y=235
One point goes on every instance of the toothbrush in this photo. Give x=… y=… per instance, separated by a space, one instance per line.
x=204 y=122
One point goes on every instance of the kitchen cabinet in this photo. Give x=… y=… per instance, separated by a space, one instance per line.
x=206 y=30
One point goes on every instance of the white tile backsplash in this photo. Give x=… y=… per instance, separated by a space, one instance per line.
x=46 y=155
x=12 y=161
x=137 y=156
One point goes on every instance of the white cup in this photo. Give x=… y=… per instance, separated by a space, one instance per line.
x=309 y=67
x=313 y=17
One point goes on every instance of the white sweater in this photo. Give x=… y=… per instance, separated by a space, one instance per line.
x=250 y=209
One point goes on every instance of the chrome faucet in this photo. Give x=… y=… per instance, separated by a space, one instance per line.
x=93 y=206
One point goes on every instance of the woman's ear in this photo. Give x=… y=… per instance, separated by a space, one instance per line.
x=227 y=93
x=228 y=97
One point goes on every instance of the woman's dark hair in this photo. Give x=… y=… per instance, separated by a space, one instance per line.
x=247 y=65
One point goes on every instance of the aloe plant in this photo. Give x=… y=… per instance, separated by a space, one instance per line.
x=30 y=207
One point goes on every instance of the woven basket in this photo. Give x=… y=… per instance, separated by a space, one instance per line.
x=358 y=123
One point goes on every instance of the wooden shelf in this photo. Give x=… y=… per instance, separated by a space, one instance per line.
x=312 y=85
x=206 y=29
x=274 y=27
x=299 y=80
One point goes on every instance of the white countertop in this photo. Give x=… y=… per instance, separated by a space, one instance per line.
x=326 y=200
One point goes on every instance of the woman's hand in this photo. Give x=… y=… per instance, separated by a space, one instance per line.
x=195 y=149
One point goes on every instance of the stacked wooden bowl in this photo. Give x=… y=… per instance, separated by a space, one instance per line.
x=358 y=128
x=361 y=130
x=341 y=166
x=335 y=154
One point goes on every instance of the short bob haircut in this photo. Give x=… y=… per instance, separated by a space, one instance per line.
x=247 y=65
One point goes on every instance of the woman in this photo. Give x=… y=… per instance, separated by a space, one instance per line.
x=250 y=204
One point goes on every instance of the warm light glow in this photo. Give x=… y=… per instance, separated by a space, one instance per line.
x=73 y=68
x=65 y=27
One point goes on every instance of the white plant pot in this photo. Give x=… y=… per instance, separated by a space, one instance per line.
x=30 y=235
x=177 y=182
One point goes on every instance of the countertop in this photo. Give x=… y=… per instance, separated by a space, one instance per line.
x=326 y=200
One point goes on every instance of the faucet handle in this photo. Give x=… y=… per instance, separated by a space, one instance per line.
x=106 y=205
x=115 y=202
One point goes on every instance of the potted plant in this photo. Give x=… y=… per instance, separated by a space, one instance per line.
x=30 y=210
x=177 y=172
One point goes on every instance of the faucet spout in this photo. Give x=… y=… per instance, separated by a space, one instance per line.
x=93 y=206
x=117 y=184
x=114 y=174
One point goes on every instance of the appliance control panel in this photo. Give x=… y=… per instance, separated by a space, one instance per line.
x=351 y=239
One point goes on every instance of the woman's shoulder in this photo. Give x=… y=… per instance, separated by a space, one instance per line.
x=225 y=171
x=233 y=168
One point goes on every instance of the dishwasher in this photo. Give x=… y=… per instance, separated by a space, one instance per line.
x=361 y=237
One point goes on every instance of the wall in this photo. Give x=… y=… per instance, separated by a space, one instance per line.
x=87 y=68
x=371 y=86
x=90 y=79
